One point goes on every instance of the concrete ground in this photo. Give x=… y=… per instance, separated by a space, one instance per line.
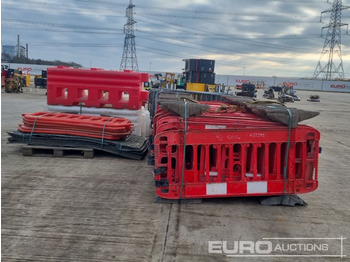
x=101 y=209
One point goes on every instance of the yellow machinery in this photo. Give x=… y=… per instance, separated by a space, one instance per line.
x=13 y=80
x=169 y=81
x=27 y=80
x=200 y=87
x=15 y=83
x=211 y=88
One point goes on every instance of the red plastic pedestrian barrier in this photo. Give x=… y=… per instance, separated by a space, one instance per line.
x=96 y=88
x=227 y=160
x=79 y=125
x=164 y=120
x=170 y=122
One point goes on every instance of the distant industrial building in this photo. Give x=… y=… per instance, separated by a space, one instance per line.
x=11 y=51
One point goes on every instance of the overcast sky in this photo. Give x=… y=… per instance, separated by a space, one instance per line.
x=255 y=37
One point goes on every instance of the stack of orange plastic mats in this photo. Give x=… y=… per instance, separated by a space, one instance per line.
x=112 y=128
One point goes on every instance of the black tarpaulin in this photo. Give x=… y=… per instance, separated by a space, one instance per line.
x=273 y=111
x=183 y=108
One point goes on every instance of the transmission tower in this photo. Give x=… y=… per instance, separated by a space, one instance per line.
x=129 y=59
x=330 y=64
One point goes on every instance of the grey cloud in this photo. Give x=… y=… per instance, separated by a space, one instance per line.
x=165 y=34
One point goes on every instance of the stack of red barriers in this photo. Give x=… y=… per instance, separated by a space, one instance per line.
x=96 y=88
x=78 y=125
x=99 y=92
x=228 y=153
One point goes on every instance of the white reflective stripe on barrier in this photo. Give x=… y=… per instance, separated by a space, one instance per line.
x=256 y=187
x=217 y=189
x=215 y=127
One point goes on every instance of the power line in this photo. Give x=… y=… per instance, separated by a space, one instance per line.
x=248 y=18
x=57 y=25
x=204 y=33
x=73 y=31
x=198 y=32
x=230 y=36
x=213 y=48
x=160 y=9
x=79 y=12
x=225 y=36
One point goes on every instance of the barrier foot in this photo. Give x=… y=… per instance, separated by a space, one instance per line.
x=286 y=200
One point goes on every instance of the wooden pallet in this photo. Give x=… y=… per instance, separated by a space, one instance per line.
x=29 y=150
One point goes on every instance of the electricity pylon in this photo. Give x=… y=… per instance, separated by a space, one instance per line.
x=330 y=64
x=129 y=58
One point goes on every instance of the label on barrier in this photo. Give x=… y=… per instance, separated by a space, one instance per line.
x=257 y=187
x=213 y=173
x=252 y=175
x=215 y=127
x=217 y=189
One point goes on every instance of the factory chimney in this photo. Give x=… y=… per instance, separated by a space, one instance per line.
x=18 y=46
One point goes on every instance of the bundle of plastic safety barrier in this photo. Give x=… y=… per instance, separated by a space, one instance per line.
x=241 y=147
x=109 y=134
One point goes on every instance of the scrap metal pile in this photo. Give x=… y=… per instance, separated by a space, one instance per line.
x=234 y=148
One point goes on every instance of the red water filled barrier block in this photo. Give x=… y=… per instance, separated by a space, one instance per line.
x=96 y=88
